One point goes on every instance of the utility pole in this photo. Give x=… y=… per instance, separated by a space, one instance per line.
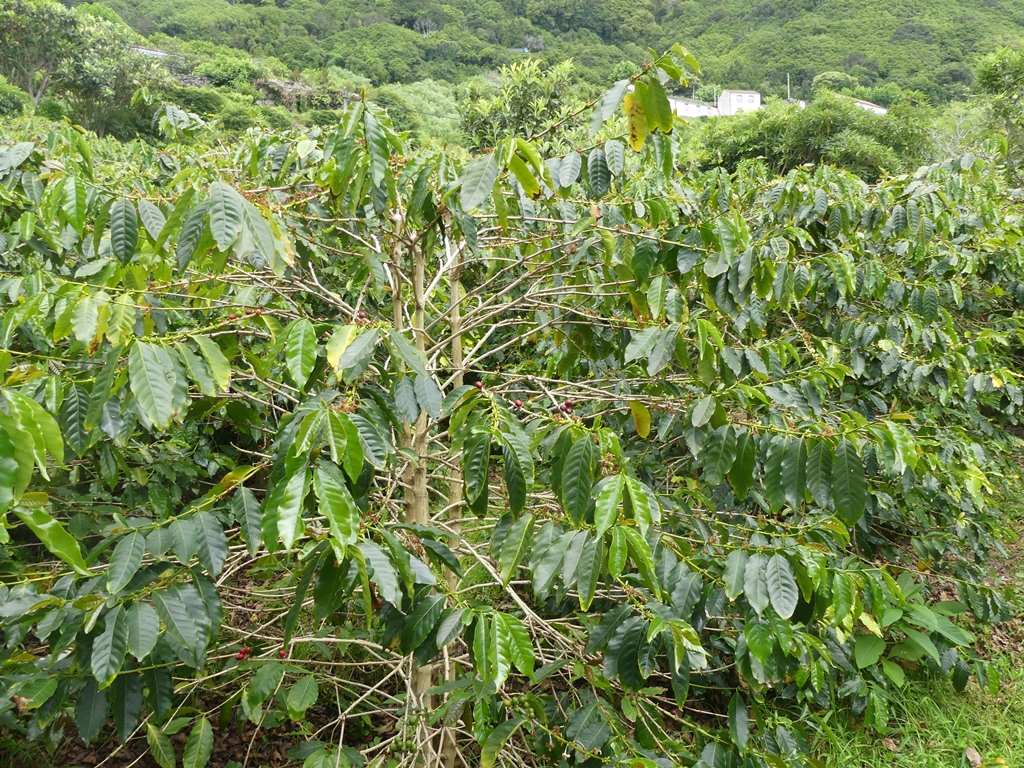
x=789 y=96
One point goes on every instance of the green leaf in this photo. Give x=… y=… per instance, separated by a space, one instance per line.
x=578 y=478
x=525 y=177
x=609 y=499
x=9 y=468
x=124 y=230
x=588 y=570
x=741 y=474
x=160 y=747
x=428 y=394
x=819 y=473
x=220 y=368
x=143 y=629
x=247 y=511
x=421 y=621
x=599 y=177
x=336 y=503
x=608 y=103
x=406 y=350
x=266 y=680
x=125 y=561
x=518 y=468
x=52 y=535
x=894 y=672
x=734 y=574
x=521 y=646
x=301 y=697
x=703 y=411
x=176 y=606
x=153 y=218
x=514 y=547
x=739 y=722
x=74 y=202
x=199 y=746
x=615 y=154
x=656 y=106
x=282 y=515
x=91 y=710
x=849 y=489
x=477 y=180
x=357 y=356
x=73 y=414
x=212 y=543
x=476 y=457
x=569 y=169
x=868 y=650
x=109 y=647
x=782 y=588
x=300 y=351
x=496 y=740
x=755 y=583
x=151 y=377
x=718 y=454
x=384 y=574
x=225 y=215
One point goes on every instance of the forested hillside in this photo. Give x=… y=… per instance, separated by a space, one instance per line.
x=929 y=46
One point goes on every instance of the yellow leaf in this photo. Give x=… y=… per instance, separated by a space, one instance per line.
x=637 y=119
x=868 y=621
x=641 y=418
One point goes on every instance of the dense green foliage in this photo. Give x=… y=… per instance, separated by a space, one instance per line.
x=926 y=46
x=831 y=129
x=551 y=457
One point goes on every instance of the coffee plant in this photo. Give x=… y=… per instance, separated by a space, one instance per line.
x=530 y=459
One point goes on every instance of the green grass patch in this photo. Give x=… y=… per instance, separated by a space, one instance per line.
x=933 y=726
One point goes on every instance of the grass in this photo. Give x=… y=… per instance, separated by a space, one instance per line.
x=935 y=726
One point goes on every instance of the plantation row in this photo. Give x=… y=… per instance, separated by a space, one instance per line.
x=544 y=460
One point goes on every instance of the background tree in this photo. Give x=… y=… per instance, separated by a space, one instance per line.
x=40 y=45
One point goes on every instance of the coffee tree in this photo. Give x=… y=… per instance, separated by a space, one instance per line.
x=561 y=460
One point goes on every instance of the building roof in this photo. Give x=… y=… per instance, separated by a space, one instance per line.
x=740 y=90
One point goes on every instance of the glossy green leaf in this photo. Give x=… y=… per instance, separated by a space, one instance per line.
x=782 y=588
x=109 y=647
x=477 y=180
x=608 y=503
x=160 y=747
x=496 y=740
x=739 y=722
x=300 y=351
x=53 y=536
x=301 y=696
x=143 y=629
x=514 y=547
x=225 y=214
x=849 y=489
x=124 y=230
x=151 y=377
x=199 y=746
x=578 y=478
x=125 y=561
x=336 y=503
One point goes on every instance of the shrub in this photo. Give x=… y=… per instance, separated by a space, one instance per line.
x=13 y=100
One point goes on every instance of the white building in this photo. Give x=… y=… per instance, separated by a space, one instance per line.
x=691 y=108
x=731 y=102
x=878 y=109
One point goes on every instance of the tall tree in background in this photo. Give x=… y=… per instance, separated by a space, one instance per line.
x=40 y=41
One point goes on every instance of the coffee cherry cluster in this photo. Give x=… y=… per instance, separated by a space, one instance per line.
x=244 y=653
